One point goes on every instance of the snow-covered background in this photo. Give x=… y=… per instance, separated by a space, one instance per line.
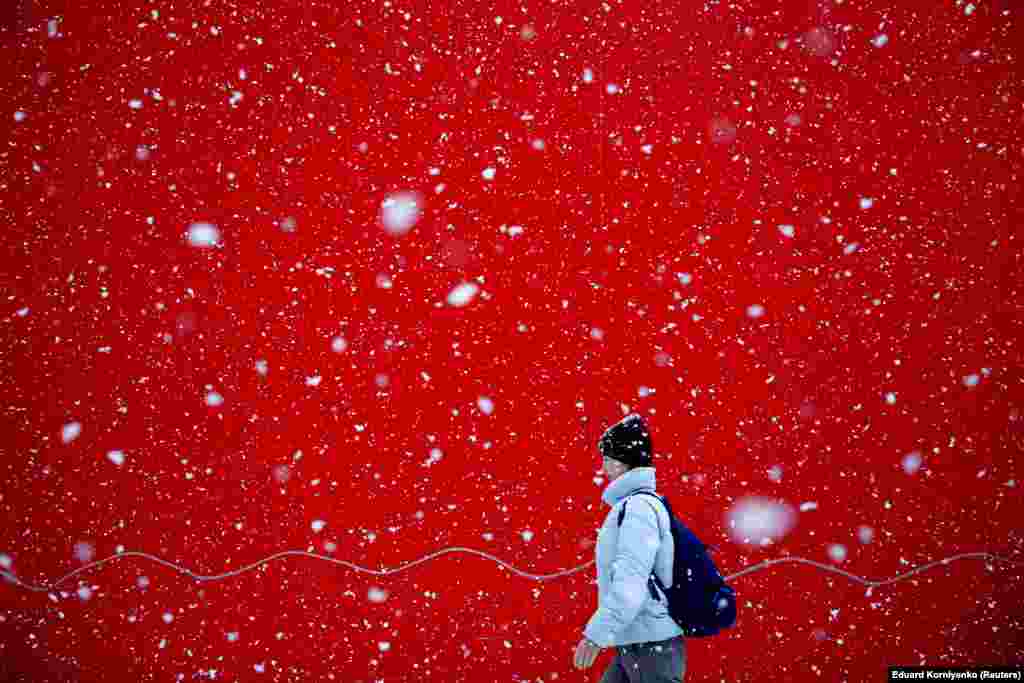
x=368 y=280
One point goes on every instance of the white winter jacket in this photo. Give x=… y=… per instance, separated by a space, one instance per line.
x=626 y=556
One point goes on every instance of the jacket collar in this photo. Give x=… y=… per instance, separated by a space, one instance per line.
x=637 y=479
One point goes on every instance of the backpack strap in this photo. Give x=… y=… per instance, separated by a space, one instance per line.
x=622 y=510
x=654 y=574
x=622 y=513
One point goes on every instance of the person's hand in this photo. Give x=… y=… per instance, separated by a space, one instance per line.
x=586 y=653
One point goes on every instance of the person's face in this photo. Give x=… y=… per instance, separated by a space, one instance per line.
x=613 y=469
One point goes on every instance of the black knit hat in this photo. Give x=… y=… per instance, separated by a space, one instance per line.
x=628 y=442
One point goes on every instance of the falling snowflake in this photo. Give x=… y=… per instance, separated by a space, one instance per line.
x=203 y=235
x=71 y=431
x=759 y=520
x=399 y=212
x=462 y=294
x=912 y=462
x=837 y=552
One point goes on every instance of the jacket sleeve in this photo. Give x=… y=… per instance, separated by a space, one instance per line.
x=638 y=543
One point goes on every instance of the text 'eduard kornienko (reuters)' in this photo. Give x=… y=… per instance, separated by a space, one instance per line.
x=977 y=673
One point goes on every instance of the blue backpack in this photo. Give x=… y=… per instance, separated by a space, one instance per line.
x=699 y=600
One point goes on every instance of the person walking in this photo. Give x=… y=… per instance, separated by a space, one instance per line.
x=632 y=612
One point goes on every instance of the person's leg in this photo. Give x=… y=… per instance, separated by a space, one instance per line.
x=663 y=662
x=615 y=673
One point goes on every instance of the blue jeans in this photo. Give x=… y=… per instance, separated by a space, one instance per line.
x=662 y=661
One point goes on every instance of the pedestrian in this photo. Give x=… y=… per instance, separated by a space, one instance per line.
x=632 y=612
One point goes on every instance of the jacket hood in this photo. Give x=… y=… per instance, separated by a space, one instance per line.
x=637 y=479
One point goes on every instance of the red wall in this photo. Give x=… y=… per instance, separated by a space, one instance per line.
x=579 y=318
